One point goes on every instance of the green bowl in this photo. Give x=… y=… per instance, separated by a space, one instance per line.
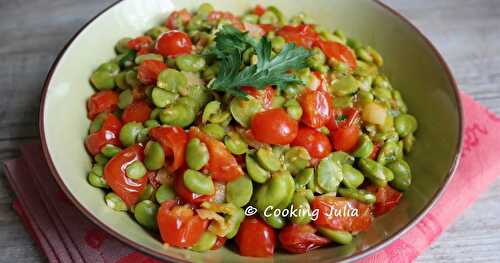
x=411 y=62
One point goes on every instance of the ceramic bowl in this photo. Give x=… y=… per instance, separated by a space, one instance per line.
x=411 y=62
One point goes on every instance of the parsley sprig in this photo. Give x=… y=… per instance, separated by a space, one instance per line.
x=229 y=48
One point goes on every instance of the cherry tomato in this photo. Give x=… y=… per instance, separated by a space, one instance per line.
x=174 y=43
x=137 y=111
x=345 y=138
x=339 y=213
x=267 y=27
x=173 y=140
x=146 y=50
x=102 y=101
x=108 y=134
x=317 y=108
x=316 y=143
x=274 y=126
x=222 y=165
x=219 y=243
x=259 y=10
x=253 y=29
x=179 y=226
x=148 y=71
x=302 y=35
x=301 y=238
x=182 y=16
x=339 y=52
x=387 y=199
x=255 y=238
x=266 y=95
x=186 y=195
x=140 y=42
x=350 y=117
x=320 y=82
x=126 y=188
x=215 y=16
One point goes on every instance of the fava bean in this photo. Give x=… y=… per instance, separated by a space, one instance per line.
x=405 y=124
x=177 y=115
x=402 y=175
x=162 y=98
x=98 y=169
x=365 y=147
x=147 y=193
x=296 y=159
x=145 y=213
x=239 y=191
x=352 y=177
x=243 y=109
x=151 y=124
x=143 y=135
x=301 y=204
x=136 y=170
x=205 y=243
x=400 y=104
x=235 y=144
x=277 y=102
x=268 y=18
x=96 y=124
x=122 y=45
x=345 y=86
x=274 y=221
x=214 y=130
x=101 y=159
x=164 y=193
x=293 y=109
x=377 y=58
x=389 y=152
x=278 y=43
x=150 y=56
x=341 y=158
x=156 y=31
x=96 y=180
x=376 y=172
x=129 y=132
x=303 y=178
x=267 y=159
x=329 y=174
x=196 y=154
x=198 y=183
x=172 y=80
x=204 y=10
x=125 y=99
x=317 y=58
x=131 y=79
x=190 y=63
x=211 y=109
x=273 y=192
x=255 y=171
x=358 y=194
x=121 y=82
x=102 y=80
x=234 y=220
x=408 y=142
x=337 y=236
x=115 y=202
x=154 y=156
x=109 y=150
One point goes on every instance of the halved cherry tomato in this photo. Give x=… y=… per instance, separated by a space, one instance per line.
x=215 y=16
x=183 y=16
x=219 y=243
x=320 y=82
x=108 y=134
x=316 y=143
x=148 y=71
x=255 y=238
x=186 y=195
x=274 y=126
x=174 y=43
x=317 y=108
x=301 y=238
x=137 y=111
x=173 y=140
x=126 y=188
x=302 y=35
x=350 y=117
x=266 y=95
x=102 y=101
x=222 y=166
x=387 y=199
x=337 y=51
x=179 y=226
x=259 y=10
x=345 y=138
x=339 y=213
x=140 y=42
x=146 y=50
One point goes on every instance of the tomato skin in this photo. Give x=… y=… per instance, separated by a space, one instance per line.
x=302 y=35
x=126 y=188
x=342 y=221
x=266 y=95
x=316 y=143
x=138 y=111
x=173 y=140
x=179 y=226
x=182 y=15
x=174 y=43
x=337 y=51
x=274 y=126
x=108 y=134
x=345 y=138
x=259 y=10
x=215 y=16
x=300 y=238
x=187 y=196
x=140 y=42
x=317 y=108
x=255 y=238
x=219 y=243
x=102 y=101
x=222 y=165
x=387 y=199
x=149 y=70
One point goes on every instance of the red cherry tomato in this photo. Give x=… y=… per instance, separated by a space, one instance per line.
x=173 y=140
x=259 y=10
x=177 y=18
x=174 y=43
x=266 y=95
x=137 y=111
x=316 y=143
x=222 y=165
x=102 y=101
x=219 y=243
x=215 y=16
x=337 y=51
x=140 y=42
x=126 y=188
x=345 y=139
x=267 y=27
x=255 y=238
x=148 y=71
x=387 y=199
x=302 y=35
x=274 y=126
x=108 y=134
x=179 y=226
x=253 y=29
x=317 y=108
x=349 y=117
x=301 y=238
x=338 y=213
x=146 y=50
x=186 y=195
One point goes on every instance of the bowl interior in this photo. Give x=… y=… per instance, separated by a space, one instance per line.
x=410 y=62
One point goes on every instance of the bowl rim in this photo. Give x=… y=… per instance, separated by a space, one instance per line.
x=354 y=257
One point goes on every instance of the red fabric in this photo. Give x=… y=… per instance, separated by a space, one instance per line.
x=65 y=235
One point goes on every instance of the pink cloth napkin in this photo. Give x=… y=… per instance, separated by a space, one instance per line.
x=66 y=235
